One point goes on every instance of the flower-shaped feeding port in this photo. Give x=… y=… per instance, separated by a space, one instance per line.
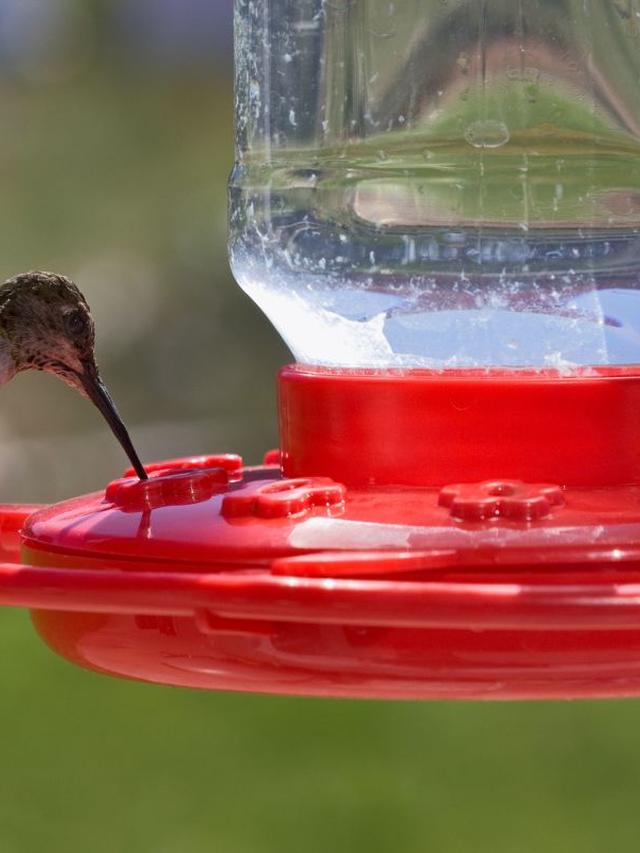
x=284 y=498
x=175 y=482
x=509 y=499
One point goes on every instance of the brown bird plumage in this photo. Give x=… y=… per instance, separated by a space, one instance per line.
x=46 y=324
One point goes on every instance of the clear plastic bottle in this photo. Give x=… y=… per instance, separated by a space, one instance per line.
x=441 y=183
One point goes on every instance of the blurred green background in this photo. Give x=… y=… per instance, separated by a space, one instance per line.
x=116 y=144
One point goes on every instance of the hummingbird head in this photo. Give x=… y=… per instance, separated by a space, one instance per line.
x=46 y=324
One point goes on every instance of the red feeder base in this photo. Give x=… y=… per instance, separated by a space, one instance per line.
x=431 y=535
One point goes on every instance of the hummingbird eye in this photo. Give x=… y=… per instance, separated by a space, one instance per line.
x=76 y=323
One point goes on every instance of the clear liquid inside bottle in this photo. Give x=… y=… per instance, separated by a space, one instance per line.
x=441 y=183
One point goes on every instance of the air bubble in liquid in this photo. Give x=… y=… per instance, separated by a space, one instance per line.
x=487 y=134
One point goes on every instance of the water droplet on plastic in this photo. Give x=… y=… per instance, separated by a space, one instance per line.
x=487 y=134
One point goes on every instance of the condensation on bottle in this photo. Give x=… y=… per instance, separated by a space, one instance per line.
x=440 y=183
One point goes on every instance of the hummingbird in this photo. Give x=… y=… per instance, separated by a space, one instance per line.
x=46 y=324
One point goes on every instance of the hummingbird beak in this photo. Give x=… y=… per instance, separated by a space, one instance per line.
x=96 y=391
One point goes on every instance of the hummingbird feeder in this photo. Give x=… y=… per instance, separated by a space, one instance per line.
x=437 y=205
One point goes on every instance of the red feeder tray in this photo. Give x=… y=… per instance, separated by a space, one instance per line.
x=427 y=535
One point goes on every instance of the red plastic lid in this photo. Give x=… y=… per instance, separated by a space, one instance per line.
x=205 y=511
x=208 y=512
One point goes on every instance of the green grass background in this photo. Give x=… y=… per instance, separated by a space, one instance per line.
x=97 y=764
x=106 y=162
